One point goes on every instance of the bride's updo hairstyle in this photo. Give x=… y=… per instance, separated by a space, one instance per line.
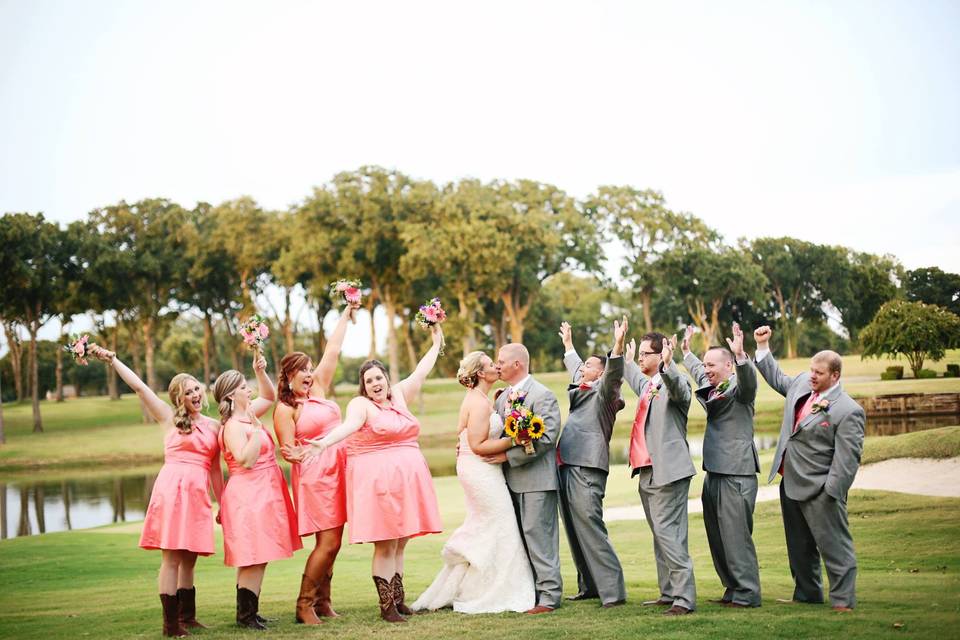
x=470 y=367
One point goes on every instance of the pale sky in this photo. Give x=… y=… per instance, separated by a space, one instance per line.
x=837 y=122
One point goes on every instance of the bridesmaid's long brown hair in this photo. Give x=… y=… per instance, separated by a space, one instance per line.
x=289 y=365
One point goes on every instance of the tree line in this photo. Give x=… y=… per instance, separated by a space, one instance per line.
x=509 y=258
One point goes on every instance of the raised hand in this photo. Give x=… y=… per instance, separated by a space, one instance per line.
x=259 y=362
x=619 y=335
x=687 y=334
x=666 y=354
x=101 y=354
x=736 y=345
x=437 y=334
x=566 y=335
x=762 y=336
x=631 y=351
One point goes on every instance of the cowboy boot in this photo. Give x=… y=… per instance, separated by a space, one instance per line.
x=171 y=619
x=247 y=604
x=399 y=595
x=388 y=608
x=187 y=598
x=308 y=594
x=322 y=605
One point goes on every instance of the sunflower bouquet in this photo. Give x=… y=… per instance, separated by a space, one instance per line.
x=522 y=425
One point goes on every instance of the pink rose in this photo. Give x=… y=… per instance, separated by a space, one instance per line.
x=352 y=294
x=79 y=347
x=264 y=331
x=248 y=338
x=430 y=314
x=824 y=424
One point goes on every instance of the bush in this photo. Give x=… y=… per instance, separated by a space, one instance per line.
x=897 y=371
x=889 y=375
x=926 y=373
x=953 y=371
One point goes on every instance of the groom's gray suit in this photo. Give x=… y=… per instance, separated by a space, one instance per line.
x=730 y=487
x=533 y=483
x=584 y=450
x=818 y=457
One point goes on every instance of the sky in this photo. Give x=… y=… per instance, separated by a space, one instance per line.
x=835 y=122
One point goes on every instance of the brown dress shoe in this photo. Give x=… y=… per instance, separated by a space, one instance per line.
x=677 y=610
x=615 y=603
x=841 y=609
x=720 y=601
x=539 y=609
x=735 y=605
x=658 y=603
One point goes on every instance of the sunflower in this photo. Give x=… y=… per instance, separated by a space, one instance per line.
x=536 y=427
x=510 y=427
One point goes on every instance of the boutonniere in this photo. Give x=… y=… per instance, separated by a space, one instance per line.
x=516 y=397
x=820 y=405
x=723 y=386
x=585 y=387
x=825 y=423
x=654 y=392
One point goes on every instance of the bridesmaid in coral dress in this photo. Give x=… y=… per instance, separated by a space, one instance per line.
x=259 y=523
x=319 y=489
x=179 y=518
x=390 y=496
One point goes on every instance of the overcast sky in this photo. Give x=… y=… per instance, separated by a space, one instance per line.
x=829 y=121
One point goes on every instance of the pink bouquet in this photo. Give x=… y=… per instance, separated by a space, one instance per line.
x=77 y=348
x=430 y=314
x=254 y=332
x=347 y=290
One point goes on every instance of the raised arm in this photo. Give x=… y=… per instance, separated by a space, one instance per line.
x=410 y=387
x=612 y=376
x=677 y=384
x=571 y=360
x=767 y=364
x=746 y=375
x=245 y=448
x=327 y=367
x=157 y=408
x=549 y=409
x=266 y=393
x=356 y=416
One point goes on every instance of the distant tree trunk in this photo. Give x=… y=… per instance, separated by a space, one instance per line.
x=65 y=491
x=404 y=331
x=138 y=367
x=516 y=314
x=16 y=357
x=3 y=510
x=59 y=368
x=235 y=348
x=469 y=340
x=149 y=326
x=207 y=340
x=34 y=327
x=371 y=307
x=646 y=302
x=113 y=389
x=119 y=502
x=3 y=434
x=38 y=499
x=393 y=348
x=288 y=327
x=24 y=527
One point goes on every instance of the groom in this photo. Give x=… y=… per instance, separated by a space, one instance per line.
x=532 y=479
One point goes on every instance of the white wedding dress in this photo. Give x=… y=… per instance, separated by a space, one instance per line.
x=485 y=565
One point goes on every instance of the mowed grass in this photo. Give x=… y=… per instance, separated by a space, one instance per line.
x=99 y=584
x=97 y=432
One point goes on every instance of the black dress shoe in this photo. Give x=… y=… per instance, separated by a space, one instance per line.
x=583 y=596
x=615 y=603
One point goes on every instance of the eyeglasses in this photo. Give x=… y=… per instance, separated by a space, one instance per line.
x=644 y=354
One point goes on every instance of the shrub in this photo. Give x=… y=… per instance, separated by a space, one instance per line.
x=897 y=371
x=926 y=373
x=889 y=375
x=953 y=371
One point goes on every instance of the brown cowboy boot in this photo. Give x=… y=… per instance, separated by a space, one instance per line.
x=388 y=608
x=248 y=603
x=399 y=596
x=308 y=594
x=322 y=605
x=187 y=598
x=171 y=617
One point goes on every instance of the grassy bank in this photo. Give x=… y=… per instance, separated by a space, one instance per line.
x=97 y=583
x=97 y=433
x=933 y=443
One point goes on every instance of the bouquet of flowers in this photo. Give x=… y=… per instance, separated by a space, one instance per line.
x=522 y=425
x=254 y=332
x=347 y=291
x=77 y=347
x=431 y=313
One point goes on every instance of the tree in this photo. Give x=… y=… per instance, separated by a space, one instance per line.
x=858 y=284
x=914 y=330
x=933 y=286
x=546 y=234
x=707 y=278
x=646 y=230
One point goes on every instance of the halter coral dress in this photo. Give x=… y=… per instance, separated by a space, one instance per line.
x=180 y=515
x=319 y=487
x=259 y=523
x=389 y=488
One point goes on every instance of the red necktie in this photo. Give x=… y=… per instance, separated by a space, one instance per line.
x=799 y=416
x=639 y=455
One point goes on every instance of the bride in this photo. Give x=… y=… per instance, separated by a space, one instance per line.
x=485 y=568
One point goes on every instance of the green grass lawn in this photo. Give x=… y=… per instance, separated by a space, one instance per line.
x=98 y=584
x=95 y=432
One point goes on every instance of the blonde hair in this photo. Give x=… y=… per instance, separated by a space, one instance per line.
x=470 y=367
x=181 y=417
x=228 y=382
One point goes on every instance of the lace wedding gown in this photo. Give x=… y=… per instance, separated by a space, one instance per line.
x=485 y=568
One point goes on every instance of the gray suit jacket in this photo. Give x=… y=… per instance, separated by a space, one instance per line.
x=585 y=439
x=824 y=451
x=537 y=472
x=666 y=427
x=728 y=443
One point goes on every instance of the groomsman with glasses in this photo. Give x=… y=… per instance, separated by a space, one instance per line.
x=818 y=455
x=727 y=389
x=660 y=456
x=583 y=454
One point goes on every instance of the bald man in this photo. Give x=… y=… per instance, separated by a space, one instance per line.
x=818 y=455
x=532 y=479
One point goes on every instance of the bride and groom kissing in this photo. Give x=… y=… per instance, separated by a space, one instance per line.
x=506 y=554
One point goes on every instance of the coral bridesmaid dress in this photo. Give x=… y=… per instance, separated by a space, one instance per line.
x=319 y=489
x=389 y=489
x=180 y=515
x=259 y=523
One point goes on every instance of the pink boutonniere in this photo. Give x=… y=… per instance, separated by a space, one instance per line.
x=820 y=406
x=825 y=423
x=654 y=392
x=585 y=387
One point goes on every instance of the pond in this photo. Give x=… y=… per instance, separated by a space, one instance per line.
x=34 y=507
